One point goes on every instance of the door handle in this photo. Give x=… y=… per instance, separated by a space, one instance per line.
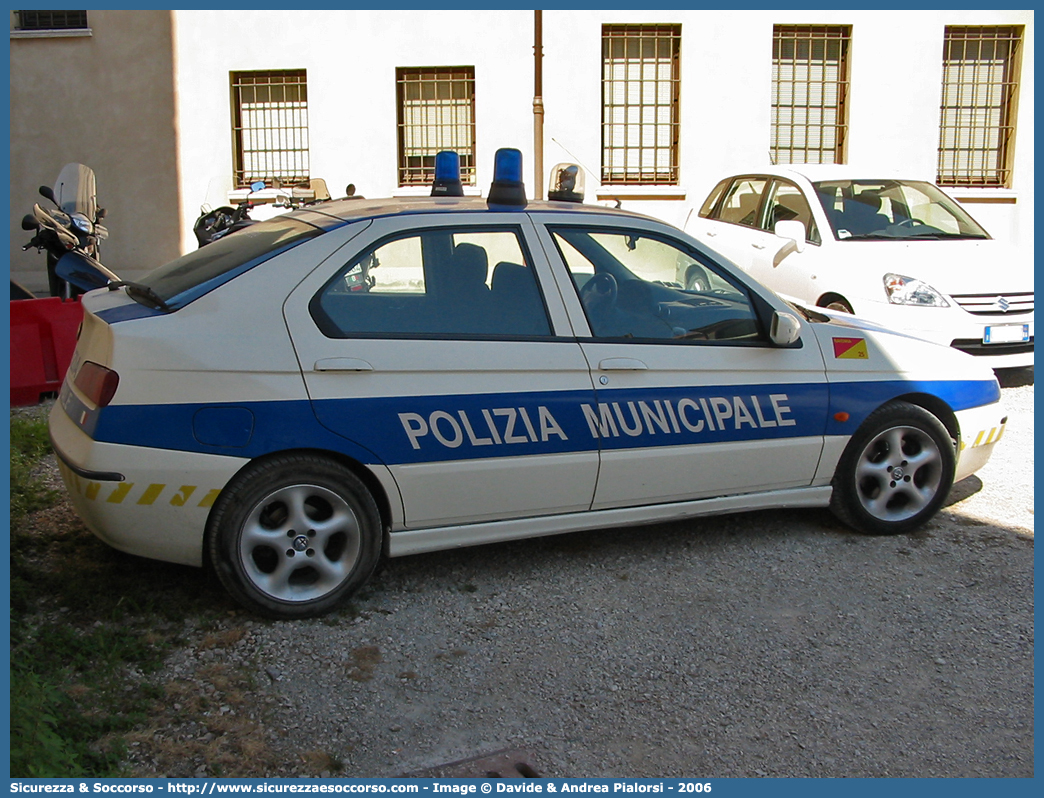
x=341 y=364
x=622 y=364
x=710 y=234
x=758 y=246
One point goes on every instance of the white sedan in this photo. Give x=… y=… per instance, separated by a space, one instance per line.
x=367 y=378
x=899 y=252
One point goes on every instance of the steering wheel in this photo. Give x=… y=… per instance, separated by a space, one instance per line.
x=910 y=223
x=599 y=293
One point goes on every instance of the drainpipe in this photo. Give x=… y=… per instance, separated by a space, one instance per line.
x=538 y=106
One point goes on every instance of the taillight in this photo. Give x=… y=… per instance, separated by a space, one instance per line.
x=97 y=383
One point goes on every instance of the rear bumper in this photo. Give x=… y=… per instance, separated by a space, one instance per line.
x=150 y=502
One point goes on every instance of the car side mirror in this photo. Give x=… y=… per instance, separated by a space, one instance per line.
x=794 y=233
x=785 y=330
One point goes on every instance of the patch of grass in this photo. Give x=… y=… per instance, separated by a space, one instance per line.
x=29 y=443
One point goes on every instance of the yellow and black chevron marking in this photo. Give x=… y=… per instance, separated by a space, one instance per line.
x=985 y=437
x=155 y=493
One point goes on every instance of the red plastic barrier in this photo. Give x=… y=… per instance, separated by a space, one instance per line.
x=43 y=337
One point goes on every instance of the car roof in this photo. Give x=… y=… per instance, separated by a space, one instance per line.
x=833 y=171
x=359 y=208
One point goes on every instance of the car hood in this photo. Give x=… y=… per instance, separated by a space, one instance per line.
x=953 y=267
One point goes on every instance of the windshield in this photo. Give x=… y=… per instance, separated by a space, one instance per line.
x=200 y=271
x=75 y=190
x=891 y=209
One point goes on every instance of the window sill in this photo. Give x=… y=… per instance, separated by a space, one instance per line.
x=55 y=33
x=983 y=196
x=425 y=191
x=659 y=192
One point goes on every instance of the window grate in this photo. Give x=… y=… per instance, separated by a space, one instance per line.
x=33 y=20
x=270 y=127
x=980 y=88
x=641 y=81
x=50 y=20
x=436 y=111
x=809 y=93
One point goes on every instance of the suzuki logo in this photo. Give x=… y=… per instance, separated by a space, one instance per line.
x=1002 y=303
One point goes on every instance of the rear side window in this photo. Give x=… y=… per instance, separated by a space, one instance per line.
x=440 y=282
x=713 y=197
x=200 y=271
x=741 y=203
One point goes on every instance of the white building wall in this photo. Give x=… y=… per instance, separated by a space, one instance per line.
x=351 y=56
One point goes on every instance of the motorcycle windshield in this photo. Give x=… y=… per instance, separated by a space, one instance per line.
x=75 y=190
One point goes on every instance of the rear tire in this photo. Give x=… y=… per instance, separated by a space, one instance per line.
x=896 y=471
x=696 y=279
x=294 y=536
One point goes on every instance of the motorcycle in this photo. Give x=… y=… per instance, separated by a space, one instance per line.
x=219 y=222
x=216 y=223
x=73 y=225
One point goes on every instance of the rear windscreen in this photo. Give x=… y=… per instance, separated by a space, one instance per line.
x=200 y=271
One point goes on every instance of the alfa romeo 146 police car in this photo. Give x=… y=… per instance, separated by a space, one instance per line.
x=380 y=378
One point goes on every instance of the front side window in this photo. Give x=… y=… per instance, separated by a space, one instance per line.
x=439 y=282
x=787 y=203
x=270 y=127
x=809 y=93
x=980 y=88
x=641 y=79
x=636 y=286
x=893 y=209
x=436 y=111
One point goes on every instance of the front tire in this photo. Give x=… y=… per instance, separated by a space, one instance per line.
x=294 y=536
x=896 y=471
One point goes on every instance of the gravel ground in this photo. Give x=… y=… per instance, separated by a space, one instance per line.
x=761 y=644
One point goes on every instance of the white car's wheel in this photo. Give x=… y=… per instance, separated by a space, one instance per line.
x=896 y=471
x=293 y=536
x=696 y=279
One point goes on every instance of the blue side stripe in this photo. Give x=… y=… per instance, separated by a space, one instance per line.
x=859 y=399
x=420 y=429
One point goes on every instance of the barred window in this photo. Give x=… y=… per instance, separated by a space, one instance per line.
x=980 y=87
x=641 y=79
x=809 y=93
x=270 y=127
x=50 y=20
x=436 y=111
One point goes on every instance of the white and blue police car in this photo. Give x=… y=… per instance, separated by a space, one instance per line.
x=363 y=378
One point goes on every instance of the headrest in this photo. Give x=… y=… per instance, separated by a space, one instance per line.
x=470 y=263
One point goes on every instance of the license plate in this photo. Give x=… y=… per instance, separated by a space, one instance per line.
x=1006 y=334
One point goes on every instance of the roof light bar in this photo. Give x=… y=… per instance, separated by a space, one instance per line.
x=507 y=188
x=567 y=183
x=447 y=175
